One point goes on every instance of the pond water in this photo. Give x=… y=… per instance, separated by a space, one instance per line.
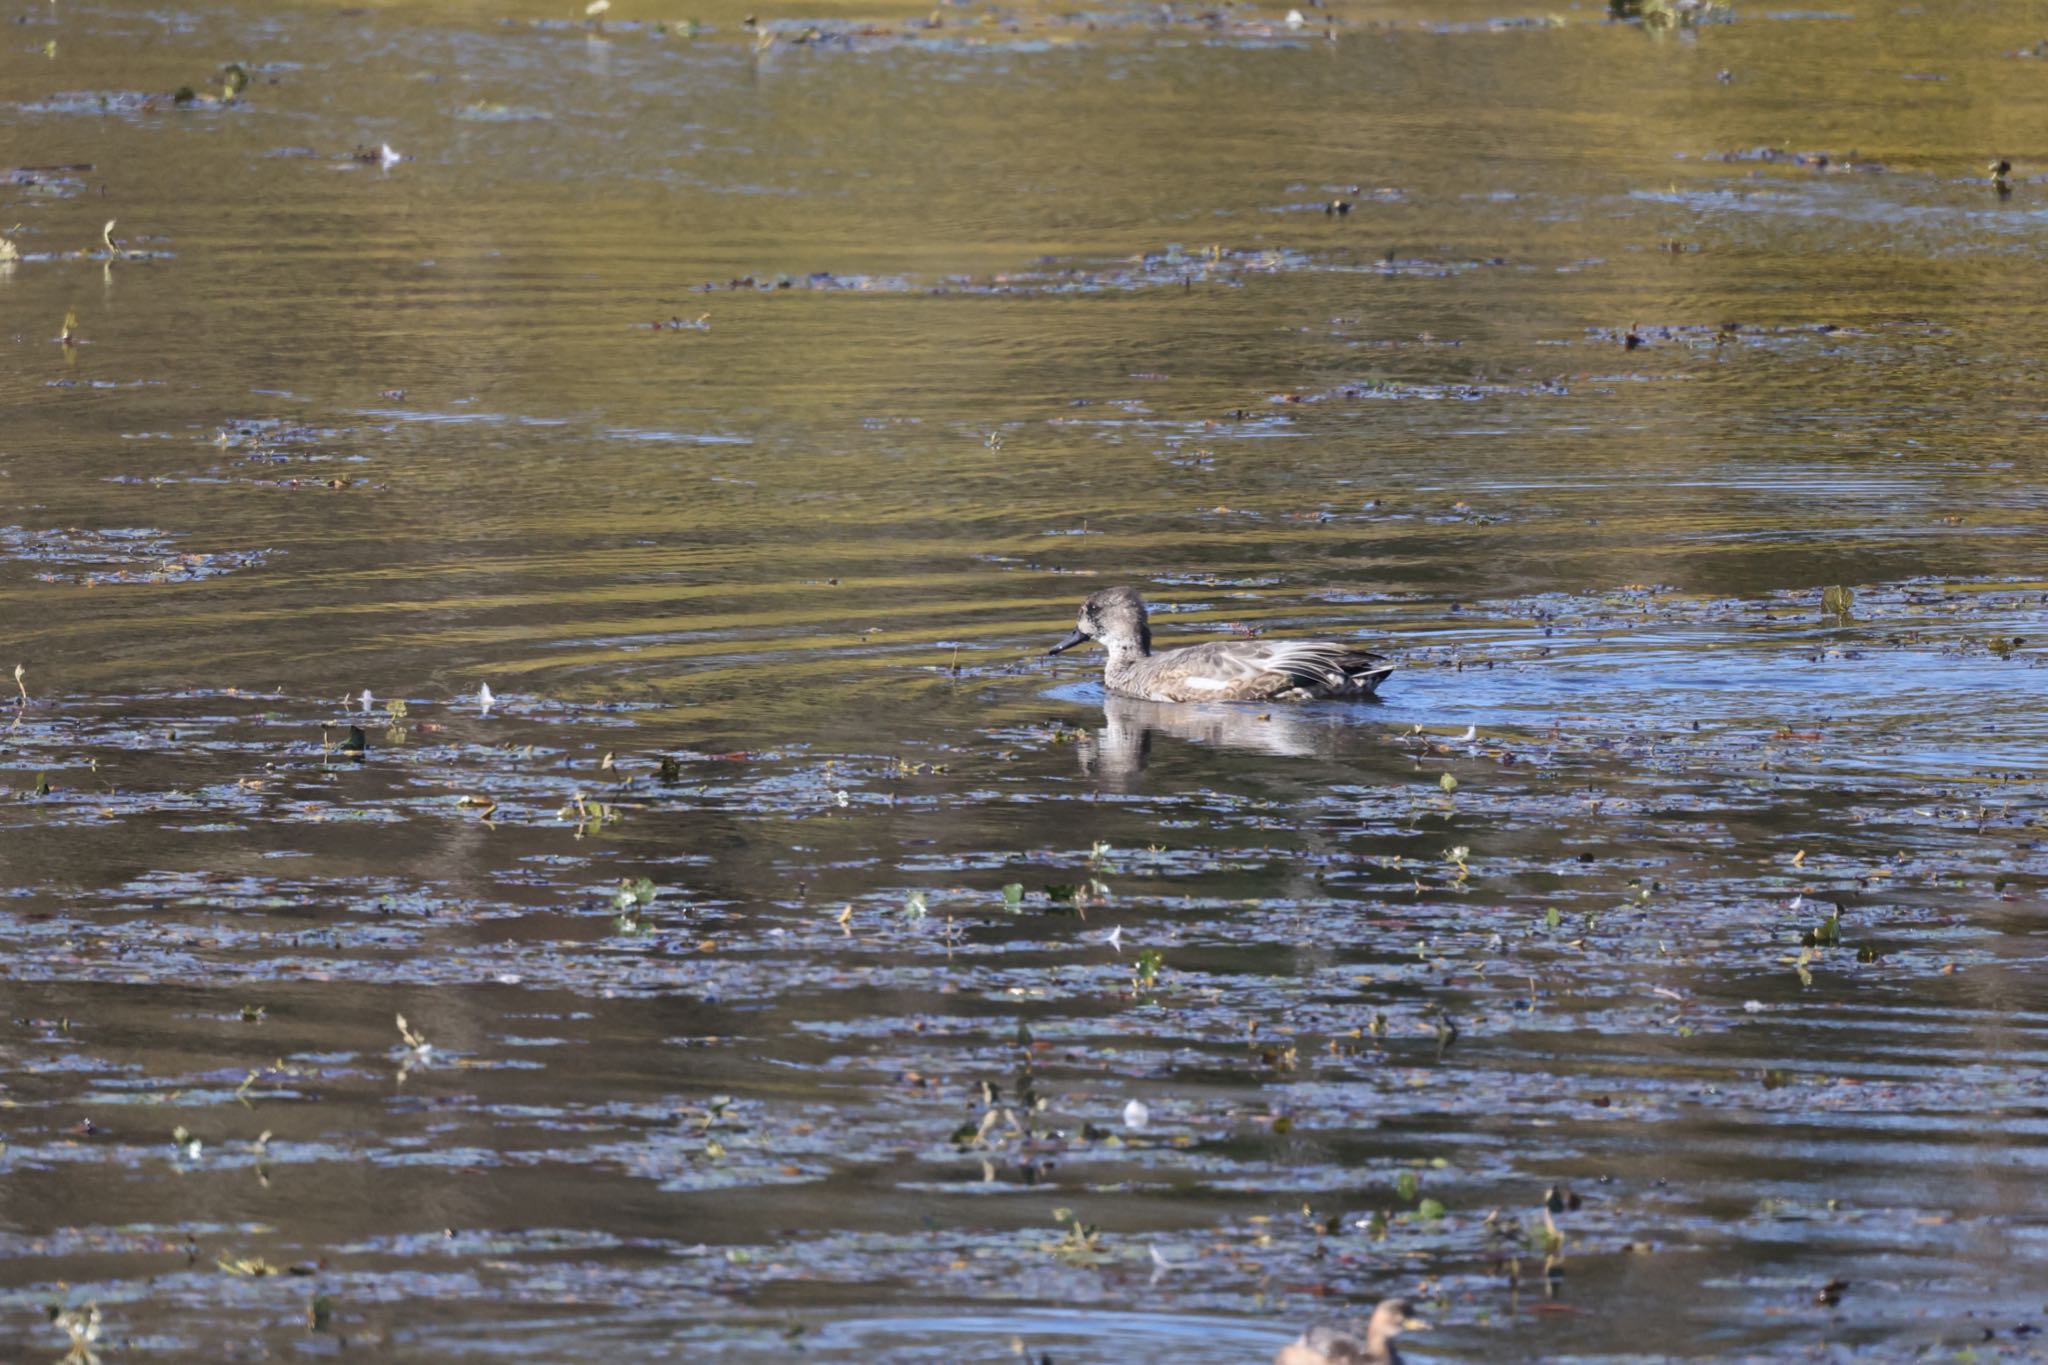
x=796 y=964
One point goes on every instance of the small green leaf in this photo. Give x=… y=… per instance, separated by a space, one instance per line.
x=1826 y=934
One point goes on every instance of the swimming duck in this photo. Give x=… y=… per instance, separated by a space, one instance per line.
x=1352 y=1342
x=1226 y=670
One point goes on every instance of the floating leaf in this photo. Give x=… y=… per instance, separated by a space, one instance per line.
x=253 y=1266
x=416 y=1041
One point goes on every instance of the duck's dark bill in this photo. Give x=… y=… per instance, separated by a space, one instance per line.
x=1076 y=638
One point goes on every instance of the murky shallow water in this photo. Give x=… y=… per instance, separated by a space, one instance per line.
x=749 y=415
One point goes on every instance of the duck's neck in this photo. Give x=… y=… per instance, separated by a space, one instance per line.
x=1125 y=651
x=1125 y=654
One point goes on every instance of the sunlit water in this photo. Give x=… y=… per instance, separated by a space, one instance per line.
x=748 y=409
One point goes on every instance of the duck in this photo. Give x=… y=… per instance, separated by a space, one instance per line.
x=1224 y=670
x=1352 y=1342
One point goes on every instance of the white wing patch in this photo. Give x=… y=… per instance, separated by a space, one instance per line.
x=1205 y=684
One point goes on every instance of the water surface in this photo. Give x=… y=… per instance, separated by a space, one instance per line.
x=1657 y=972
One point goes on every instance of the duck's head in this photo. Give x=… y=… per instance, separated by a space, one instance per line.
x=1389 y=1320
x=1352 y=1342
x=1116 y=617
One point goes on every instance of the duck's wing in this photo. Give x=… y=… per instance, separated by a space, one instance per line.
x=1327 y=665
x=1229 y=670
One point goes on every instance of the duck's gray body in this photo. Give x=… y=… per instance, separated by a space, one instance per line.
x=1352 y=1342
x=1226 y=670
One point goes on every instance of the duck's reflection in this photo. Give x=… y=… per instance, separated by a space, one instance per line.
x=1122 y=748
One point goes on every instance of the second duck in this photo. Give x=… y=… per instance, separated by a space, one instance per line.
x=1225 y=670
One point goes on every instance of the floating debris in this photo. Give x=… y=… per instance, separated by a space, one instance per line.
x=119 y=556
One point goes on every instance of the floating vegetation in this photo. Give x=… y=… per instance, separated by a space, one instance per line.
x=999 y=30
x=1396 y=390
x=1477 y=931
x=47 y=182
x=1835 y=162
x=1173 y=267
x=1708 y=337
x=1672 y=13
x=118 y=556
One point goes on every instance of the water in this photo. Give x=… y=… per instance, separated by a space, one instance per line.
x=766 y=408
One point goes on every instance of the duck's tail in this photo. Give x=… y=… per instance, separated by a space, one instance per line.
x=1323 y=668
x=1363 y=673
